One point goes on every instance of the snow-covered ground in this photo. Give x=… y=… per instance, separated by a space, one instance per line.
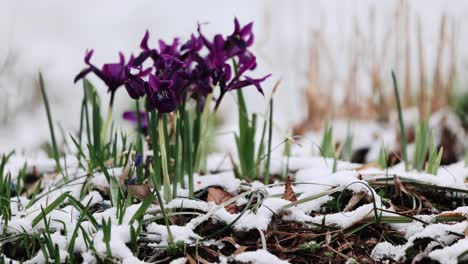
x=313 y=177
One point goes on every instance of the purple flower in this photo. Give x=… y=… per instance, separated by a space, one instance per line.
x=193 y=69
x=190 y=49
x=134 y=84
x=112 y=74
x=242 y=38
x=146 y=53
x=234 y=47
x=154 y=54
x=132 y=116
x=200 y=78
x=169 y=49
x=160 y=95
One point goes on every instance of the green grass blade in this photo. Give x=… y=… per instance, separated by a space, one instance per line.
x=49 y=208
x=50 y=121
x=270 y=139
x=404 y=142
x=142 y=210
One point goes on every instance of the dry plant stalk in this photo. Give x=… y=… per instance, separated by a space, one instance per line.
x=318 y=102
x=408 y=102
x=422 y=105
x=437 y=101
x=320 y=98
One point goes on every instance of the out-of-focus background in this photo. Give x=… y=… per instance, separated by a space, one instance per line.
x=333 y=57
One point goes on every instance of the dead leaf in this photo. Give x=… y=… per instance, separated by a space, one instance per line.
x=355 y=199
x=125 y=175
x=328 y=238
x=451 y=214
x=139 y=191
x=371 y=242
x=399 y=187
x=190 y=259
x=345 y=246
x=219 y=196
x=230 y=240
x=288 y=191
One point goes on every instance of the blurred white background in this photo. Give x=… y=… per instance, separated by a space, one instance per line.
x=52 y=36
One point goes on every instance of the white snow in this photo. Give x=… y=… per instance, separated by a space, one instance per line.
x=259 y=257
x=450 y=254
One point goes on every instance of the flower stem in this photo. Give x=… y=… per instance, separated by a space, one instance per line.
x=162 y=146
x=155 y=178
x=106 y=125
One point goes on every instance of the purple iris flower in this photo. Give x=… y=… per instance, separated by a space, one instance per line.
x=134 y=84
x=194 y=68
x=154 y=54
x=242 y=38
x=169 y=49
x=233 y=47
x=200 y=78
x=112 y=74
x=160 y=95
x=132 y=116
x=189 y=51
x=146 y=53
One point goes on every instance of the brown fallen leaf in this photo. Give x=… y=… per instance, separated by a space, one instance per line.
x=219 y=196
x=345 y=246
x=355 y=199
x=125 y=175
x=229 y=240
x=190 y=259
x=139 y=191
x=288 y=191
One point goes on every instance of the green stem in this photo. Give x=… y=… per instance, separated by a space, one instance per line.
x=188 y=152
x=404 y=142
x=139 y=146
x=152 y=125
x=270 y=138
x=178 y=158
x=202 y=151
x=106 y=125
x=162 y=146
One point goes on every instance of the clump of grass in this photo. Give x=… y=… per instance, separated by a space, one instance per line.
x=249 y=159
x=106 y=230
x=435 y=157
x=5 y=194
x=422 y=138
x=245 y=140
x=327 y=146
